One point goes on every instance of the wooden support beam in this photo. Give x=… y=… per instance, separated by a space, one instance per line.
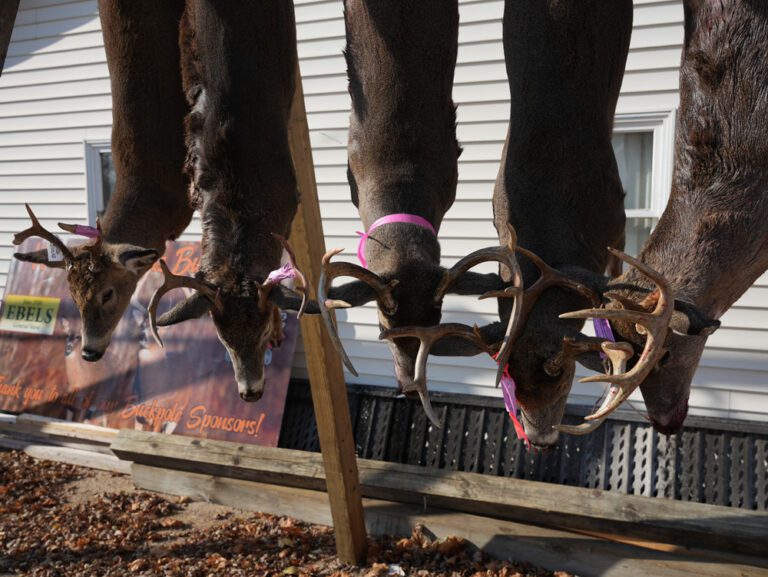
x=326 y=376
x=557 y=506
x=8 y=10
x=553 y=549
x=82 y=457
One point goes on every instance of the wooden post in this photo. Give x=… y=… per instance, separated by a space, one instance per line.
x=8 y=10
x=326 y=376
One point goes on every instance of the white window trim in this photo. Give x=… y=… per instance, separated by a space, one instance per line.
x=662 y=124
x=93 y=178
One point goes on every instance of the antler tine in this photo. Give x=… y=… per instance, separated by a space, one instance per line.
x=326 y=305
x=502 y=254
x=38 y=230
x=655 y=324
x=170 y=282
x=506 y=256
x=428 y=336
x=618 y=354
x=301 y=286
x=329 y=271
x=552 y=277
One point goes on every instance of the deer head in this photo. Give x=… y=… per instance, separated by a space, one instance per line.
x=247 y=318
x=410 y=308
x=101 y=275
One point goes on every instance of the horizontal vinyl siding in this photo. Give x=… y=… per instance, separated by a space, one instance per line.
x=54 y=94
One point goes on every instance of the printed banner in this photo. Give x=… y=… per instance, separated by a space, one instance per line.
x=187 y=388
x=29 y=314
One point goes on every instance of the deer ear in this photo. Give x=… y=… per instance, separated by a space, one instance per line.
x=473 y=283
x=39 y=257
x=286 y=299
x=191 y=308
x=689 y=320
x=137 y=259
x=355 y=293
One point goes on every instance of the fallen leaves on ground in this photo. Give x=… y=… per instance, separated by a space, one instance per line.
x=42 y=534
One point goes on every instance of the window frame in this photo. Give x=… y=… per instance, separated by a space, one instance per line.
x=93 y=177
x=662 y=125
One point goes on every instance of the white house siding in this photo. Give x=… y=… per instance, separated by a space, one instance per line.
x=54 y=95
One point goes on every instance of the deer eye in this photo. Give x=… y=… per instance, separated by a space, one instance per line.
x=107 y=296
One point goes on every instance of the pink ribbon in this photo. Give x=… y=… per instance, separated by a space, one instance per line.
x=284 y=272
x=508 y=387
x=390 y=219
x=88 y=231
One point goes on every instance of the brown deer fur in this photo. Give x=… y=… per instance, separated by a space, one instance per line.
x=239 y=65
x=403 y=155
x=558 y=183
x=711 y=242
x=149 y=203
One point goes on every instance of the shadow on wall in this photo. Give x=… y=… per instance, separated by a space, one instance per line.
x=43 y=29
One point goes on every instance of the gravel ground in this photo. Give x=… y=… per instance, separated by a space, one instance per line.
x=58 y=520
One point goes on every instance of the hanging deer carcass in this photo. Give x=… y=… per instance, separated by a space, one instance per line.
x=149 y=204
x=711 y=242
x=559 y=185
x=239 y=68
x=402 y=172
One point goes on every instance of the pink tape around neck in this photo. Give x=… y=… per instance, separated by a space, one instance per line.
x=508 y=387
x=390 y=219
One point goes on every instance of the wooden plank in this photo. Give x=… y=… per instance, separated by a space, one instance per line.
x=329 y=391
x=79 y=457
x=8 y=10
x=552 y=549
x=61 y=428
x=14 y=434
x=661 y=520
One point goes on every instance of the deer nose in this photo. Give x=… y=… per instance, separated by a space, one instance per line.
x=91 y=356
x=251 y=396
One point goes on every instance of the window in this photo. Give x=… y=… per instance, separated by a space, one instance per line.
x=644 y=145
x=100 y=177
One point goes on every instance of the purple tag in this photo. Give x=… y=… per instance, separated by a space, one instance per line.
x=604 y=331
x=88 y=231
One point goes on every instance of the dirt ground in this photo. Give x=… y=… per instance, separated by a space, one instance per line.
x=58 y=520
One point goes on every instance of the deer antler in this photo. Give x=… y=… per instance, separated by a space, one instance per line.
x=301 y=286
x=618 y=354
x=428 y=336
x=550 y=277
x=38 y=230
x=329 y=271
x=170 y=282
x=506 y=256
x=655 y=324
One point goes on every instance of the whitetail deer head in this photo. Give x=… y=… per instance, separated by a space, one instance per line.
x=247 y=319
x=711 y=242
x=101 y=275
x=410 y=311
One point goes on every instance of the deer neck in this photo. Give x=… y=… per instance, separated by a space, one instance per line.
x=149 y=204
x=402 y=145
x=711 y=243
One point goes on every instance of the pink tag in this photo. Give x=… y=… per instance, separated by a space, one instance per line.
x=510 y=402
x=508 y=387
x=284 y=272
